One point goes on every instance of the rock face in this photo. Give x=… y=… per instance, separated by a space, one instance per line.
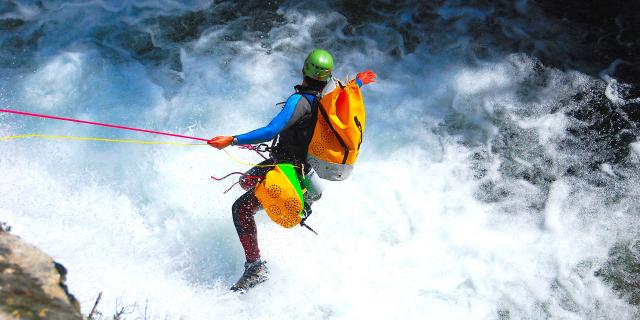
x=32 y=284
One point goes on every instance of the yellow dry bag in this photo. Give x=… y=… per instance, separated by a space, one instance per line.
x=338 y=132
x=281 y=196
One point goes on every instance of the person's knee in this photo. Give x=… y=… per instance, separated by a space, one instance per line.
x=247 y=183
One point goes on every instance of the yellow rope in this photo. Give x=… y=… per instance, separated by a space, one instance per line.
x=248 y=163
x=47 y=136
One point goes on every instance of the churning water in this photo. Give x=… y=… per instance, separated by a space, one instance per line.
x=481 y=193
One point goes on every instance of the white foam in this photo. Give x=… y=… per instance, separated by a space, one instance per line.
x=405 y=237
x=57 y=83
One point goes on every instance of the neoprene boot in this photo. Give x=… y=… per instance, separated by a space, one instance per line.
x=254 y=273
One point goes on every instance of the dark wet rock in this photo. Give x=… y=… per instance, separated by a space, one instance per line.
x=603 y=129
x=622 y=270
x=606 y=31
x=32 y=285
x=481 y=30
x=16 y=49
x=522 y=156
x=251 y=21
x=156 y=40
x=585 y=35
x=140 y=42
x=258 y=16
x=184 y=28
x=492 y=191
x=10 y=24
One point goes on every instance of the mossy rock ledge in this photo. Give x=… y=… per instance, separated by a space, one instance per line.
x=32 y=285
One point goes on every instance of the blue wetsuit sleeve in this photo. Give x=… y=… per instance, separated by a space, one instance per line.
x=274 y=127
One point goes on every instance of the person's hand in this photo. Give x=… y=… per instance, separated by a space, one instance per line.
x=366 y=77
x=220 y=142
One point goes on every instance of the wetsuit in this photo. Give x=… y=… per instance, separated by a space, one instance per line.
x=293 y=127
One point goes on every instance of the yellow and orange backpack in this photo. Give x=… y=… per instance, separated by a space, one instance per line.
x=338 y=132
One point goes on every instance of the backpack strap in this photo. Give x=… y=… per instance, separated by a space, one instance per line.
x=335 y=133
x=300 y=89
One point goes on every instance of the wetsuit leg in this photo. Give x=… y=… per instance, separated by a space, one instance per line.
x=248 y=182
x=243 y=210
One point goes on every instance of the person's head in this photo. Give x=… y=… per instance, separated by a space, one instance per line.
x=317 y=68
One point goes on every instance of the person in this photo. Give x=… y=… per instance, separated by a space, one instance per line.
x=292 y=128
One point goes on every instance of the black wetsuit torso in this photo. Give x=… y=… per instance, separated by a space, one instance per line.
x=292 y=143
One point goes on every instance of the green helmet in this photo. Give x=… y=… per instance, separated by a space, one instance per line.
x=318 y=65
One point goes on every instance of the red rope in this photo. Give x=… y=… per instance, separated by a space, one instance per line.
x=232 y=173
x=100 y=124
x=240 y=173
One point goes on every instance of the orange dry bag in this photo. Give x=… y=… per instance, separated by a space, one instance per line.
x=338 y=132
